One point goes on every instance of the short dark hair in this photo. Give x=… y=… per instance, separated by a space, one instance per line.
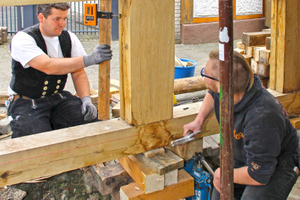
x=45 y=9
x=242 y=72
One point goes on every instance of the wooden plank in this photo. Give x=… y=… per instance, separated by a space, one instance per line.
x=211 y=145
x=248 y=58
x=162 y=163
x=264 y=56
x=110 y=178
x=295 y=122
x=183 y=189
x=154 y=152
x=241 y=51
x=249 y=51
x=187 y=10
x=104 y=67
x=171 y=177
x=290 y=101
x=256 y=52
x=241 y=46
x=255 y=38
x=145 y=68
x=285 y=57
x=291 y=72
x=54 y=152
x=30 y=2
x=263 y=69
x=268 y=43
x=274 y=50
x=145 y=178
x=254 y=65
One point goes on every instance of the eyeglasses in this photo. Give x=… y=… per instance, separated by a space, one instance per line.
x=204 y=75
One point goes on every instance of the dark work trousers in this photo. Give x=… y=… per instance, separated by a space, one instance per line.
x=278 y=188
x=31 y=116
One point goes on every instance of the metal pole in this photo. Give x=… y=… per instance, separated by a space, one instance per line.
x=226 y=97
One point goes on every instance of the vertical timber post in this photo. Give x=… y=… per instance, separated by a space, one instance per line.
x=104 y=67
x=226 y=97
x=147 y=49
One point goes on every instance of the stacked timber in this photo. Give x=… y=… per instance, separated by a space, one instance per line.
x=109 y=177
x=156 y=177
x=255 y=47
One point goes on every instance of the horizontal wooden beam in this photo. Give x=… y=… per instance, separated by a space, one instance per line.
x=31 y=2
x=51 y=153
x=54 y=152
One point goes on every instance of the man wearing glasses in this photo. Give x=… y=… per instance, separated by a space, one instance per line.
x=265 y=142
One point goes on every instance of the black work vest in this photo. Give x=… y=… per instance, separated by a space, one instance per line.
x=33 y=83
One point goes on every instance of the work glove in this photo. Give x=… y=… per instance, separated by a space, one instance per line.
x=88 y=109
x=100 y=54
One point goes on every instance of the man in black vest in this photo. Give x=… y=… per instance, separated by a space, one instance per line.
x=42 y=57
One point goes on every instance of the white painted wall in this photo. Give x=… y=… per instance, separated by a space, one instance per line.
x=210 y=8
x=249 y=7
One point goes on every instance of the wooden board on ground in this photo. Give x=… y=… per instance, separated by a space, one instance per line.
x=255 y=38
x=183 y=189
x=110 y=178
x=147 y=179
x=162 y=163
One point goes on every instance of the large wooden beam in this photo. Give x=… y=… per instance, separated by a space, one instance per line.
x=147 y=49
x=54 y=152
x=51 y=153
x=30 y=2
x=285 y=54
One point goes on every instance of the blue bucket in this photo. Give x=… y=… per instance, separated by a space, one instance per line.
x=183 y=72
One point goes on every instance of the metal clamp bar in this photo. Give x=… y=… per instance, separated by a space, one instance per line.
x=189 y=137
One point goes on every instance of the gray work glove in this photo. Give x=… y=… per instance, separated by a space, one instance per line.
x=100 y=54
x=88 y=109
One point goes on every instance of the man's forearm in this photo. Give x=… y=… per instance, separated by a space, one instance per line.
x=81 y=83
x=242 y=177
x=206 y=108
x=57 y=66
